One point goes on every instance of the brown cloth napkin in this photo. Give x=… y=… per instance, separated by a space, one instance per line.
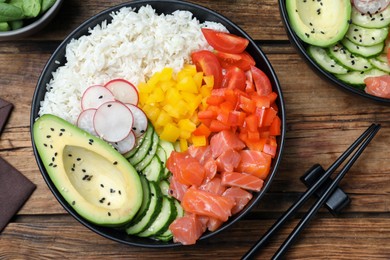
x=15 y=188
x=5 y=111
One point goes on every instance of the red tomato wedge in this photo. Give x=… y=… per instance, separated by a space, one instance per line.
x=234 y=78
x=378 y=86
x=242 y=60
x=262 y=82
x=225 y=42
x=207 y=204
x=185 y=169
x=242 y=180
x=256 y=163
x=208 y=63
x=240 y=196
x=187 y=229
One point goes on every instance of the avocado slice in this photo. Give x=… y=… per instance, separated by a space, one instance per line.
x=96 y=180
x=320 y=23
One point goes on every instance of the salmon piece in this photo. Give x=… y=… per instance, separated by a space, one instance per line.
x=223 y=141
x=378 y=86
x=204 y=156
x=177 y=189
x=240 y=196
x=207 y=204
x=228 y=160
x=213 y=224
x=214 y=186
x=242 y=180
x=187 y=229
x=255 y=163
x=186 y=169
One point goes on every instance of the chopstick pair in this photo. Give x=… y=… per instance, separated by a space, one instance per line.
x=363 y=141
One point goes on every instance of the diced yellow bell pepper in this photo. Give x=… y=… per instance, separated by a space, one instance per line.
x=199 y=140
x=187 y=84
x=171 y=110
x=209 y=80
x=166 y=74
x=170 y=133
x=183 y=145
x=163 y=119
x=198 y=78
x=186 y=125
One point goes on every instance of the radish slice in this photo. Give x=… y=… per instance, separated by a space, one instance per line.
x=95 y=96
x=113 y=121
x=85 y=121
x=123 y=91
x=370 y=6
x=126 y=144
x=140 y=120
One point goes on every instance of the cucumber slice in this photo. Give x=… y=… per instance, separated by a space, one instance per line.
x=168 y=148
x=154 y=170
x=167 y=214
x=382 y=65
x=377 y=20
x=164 y=186
x=357 y=77
x=145 y=200
x=152 y=212
x=366 y=36
x=141 y=152
x=321 y=57
x=382 y=57
x=138 y=142
x=347 y=59
x=161 y=154
x=150 y=153
x=365 y=51
x=167 y=235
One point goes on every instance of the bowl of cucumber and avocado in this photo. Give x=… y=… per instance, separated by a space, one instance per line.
x=344 y=41
x=22 y=18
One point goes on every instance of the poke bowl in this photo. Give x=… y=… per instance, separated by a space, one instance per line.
x=62 y=145
x=346 y=59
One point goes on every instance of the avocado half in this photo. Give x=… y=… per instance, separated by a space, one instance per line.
x=319 y=22
x=95 y=179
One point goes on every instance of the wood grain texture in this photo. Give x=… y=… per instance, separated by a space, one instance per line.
x=322 y=121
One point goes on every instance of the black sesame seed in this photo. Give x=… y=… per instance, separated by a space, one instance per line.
x=307 y=35
x=78 y=159
x=55 y=165
x=72 y=169
x=120 y=193
x=50 y=164
x=62 y=130
x=100 y=97
x=115 y=163
x=70 y=155
x=373 y=38
x=109 y=214
x=109 y=203
x=53 y=159
x=101 y=185
x=142 y=131
x=52 y=129
x=48 y=136
x=83 y=170
x=45 y=145
x=85 y=177
x=73 y=203
x=112 y=191
x=109 y=105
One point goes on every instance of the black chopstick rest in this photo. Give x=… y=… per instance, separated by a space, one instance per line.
x=337 y=201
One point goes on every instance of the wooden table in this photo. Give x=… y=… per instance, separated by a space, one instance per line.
x=322 y=121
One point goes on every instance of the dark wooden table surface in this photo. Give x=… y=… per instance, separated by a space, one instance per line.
x=322 y=121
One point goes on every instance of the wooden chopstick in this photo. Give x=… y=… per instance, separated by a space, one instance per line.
x=363 y=141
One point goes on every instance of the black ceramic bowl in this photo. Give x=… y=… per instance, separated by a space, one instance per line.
x=301 y=47
x=166 y=7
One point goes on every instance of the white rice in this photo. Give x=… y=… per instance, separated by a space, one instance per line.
x=133 y=46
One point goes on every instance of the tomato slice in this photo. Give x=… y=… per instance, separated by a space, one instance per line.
x=225 y=42
x=208 y=63
x=234 y=78
x=262 y=82
x=242 y=60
